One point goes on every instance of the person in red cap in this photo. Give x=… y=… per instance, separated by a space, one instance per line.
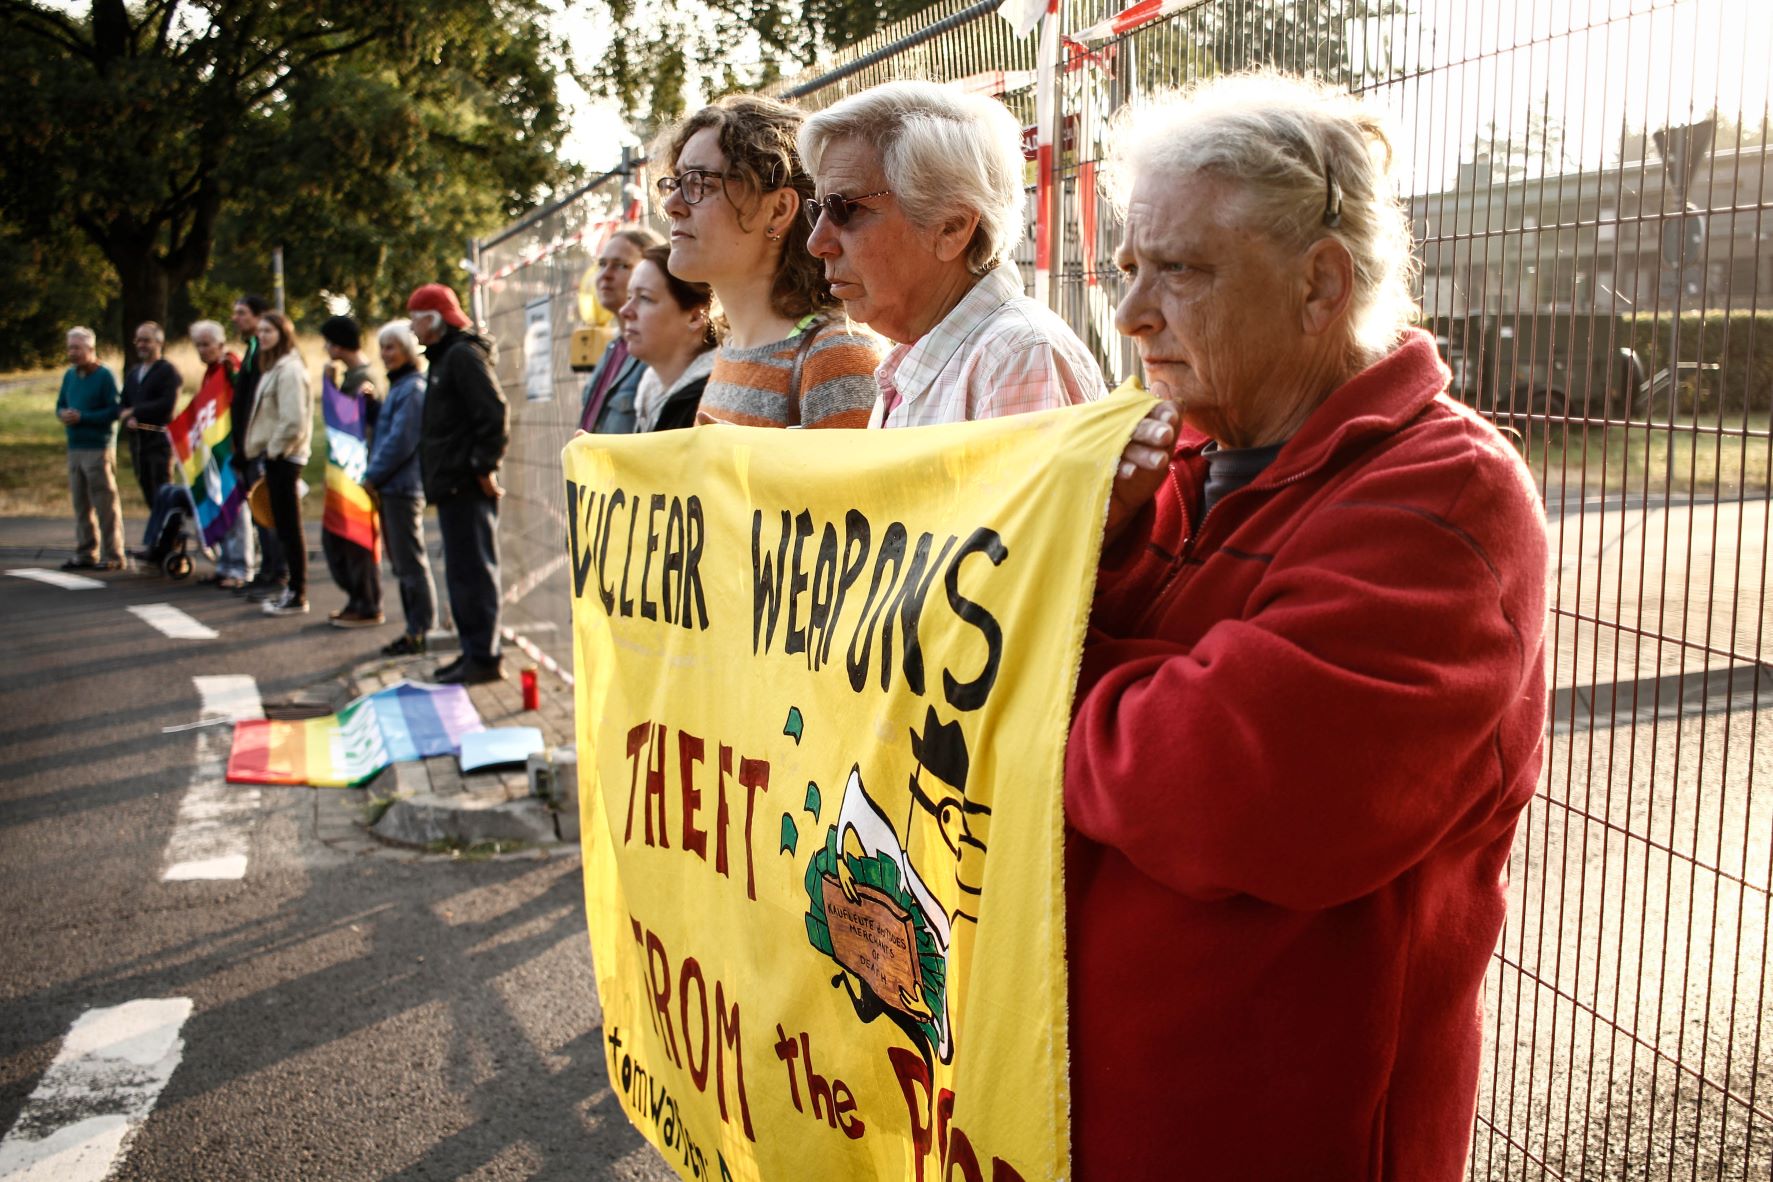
x=462 y=441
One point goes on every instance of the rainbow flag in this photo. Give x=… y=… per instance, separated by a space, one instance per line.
x=406 y=721
x=349 y=512
x=199 y=435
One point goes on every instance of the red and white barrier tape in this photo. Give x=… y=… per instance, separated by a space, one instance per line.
x=542 y=659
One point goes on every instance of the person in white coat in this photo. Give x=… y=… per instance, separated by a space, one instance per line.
x=279 y=433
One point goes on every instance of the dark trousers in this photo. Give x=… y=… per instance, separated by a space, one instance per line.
x=403 y=534
x=469 y=523
x=151 y=454
x=272 y=568
x=286 y=516
x=356 y=572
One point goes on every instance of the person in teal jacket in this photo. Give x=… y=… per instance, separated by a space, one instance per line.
x=88 y=406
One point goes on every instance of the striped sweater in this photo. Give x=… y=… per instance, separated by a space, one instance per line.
x=750 y=387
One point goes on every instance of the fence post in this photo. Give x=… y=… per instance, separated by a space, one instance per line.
x=476 y=296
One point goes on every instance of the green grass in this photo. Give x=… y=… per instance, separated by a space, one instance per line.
x=376 y=807
x=34 y=451
x=479 y=851
x=1707 y=462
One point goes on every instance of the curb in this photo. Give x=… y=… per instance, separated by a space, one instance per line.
x=427 y=810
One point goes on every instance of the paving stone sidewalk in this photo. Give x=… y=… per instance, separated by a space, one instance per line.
x=429 y=809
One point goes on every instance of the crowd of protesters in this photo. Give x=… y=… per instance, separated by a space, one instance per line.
x=1312 y=696
x=261 y=549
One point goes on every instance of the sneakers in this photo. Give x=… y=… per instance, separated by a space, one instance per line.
x=471 y=672
x=113 y=564
x=447 y=668
x=347 y=619
x=265 y=592
x=406 y=646
x=80 y=564
x=286 y=604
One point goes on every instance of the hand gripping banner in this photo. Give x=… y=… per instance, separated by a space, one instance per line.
x=824 y=681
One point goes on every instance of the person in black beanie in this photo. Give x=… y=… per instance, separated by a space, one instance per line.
x=350 y=538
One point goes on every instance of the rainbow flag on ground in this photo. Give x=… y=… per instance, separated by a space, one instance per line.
x=405 y=721
x=349 y=512
x=200 y=440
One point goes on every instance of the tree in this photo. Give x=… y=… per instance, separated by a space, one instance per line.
x=658 y=52
x=53 y=282
x=149 y=126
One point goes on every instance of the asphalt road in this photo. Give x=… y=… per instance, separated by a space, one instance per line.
x=350 y=1017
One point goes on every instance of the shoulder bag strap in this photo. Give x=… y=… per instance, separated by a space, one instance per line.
x=809 y=331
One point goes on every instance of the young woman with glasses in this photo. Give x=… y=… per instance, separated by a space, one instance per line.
x=789 y=357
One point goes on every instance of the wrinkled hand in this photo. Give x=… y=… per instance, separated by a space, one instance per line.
x=489 y=484
x=1144 y=463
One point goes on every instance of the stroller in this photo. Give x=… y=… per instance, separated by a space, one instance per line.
x=167 y=543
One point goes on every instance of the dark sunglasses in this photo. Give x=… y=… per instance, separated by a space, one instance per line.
x=837 y=206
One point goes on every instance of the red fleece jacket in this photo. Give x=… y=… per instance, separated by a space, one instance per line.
x=1303 y=732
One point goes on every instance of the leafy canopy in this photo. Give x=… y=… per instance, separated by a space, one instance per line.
x=370 y=140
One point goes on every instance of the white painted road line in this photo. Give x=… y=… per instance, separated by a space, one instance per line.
x=233 y=696
x=100 y=1088
x=212 y=836
x=57 y=578
x=173 y=622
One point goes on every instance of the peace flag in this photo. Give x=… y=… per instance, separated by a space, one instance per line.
x=409 y=720
x=349 y=513
x=201 y=441
x=823 y=691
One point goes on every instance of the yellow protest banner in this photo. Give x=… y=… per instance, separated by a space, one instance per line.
x=824 y=681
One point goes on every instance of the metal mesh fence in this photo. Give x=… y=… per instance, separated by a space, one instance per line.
x=532 y=290
x=1589 y=182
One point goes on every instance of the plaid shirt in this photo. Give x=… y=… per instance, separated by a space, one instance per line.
x=997 y=353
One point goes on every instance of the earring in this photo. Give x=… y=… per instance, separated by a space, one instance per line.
x=770 y=233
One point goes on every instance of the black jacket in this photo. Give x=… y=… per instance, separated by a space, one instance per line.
x=466 y=425
x=246 y=385
x=152 y=394
x=679 y=410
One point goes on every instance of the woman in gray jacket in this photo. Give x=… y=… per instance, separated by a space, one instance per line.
x=393 y=475
x=282 y=421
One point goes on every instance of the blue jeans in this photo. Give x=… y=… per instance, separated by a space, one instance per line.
x=237 y=556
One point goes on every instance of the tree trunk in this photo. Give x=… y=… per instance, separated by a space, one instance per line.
x=145 y=288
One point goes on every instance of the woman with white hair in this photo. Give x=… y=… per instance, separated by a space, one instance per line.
x=392 y=474
x=919 y=205
x=1312 y=700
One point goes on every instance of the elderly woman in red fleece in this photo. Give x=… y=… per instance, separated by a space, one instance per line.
x=1313 y=696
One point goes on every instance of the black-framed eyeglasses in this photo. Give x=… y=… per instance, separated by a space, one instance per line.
x=693 y=183
x=839 y=207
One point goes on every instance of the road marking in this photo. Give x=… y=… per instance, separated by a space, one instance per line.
x=101 y=1086
x=57 y=578
x=211 y=838
x=173 y=622
x=233 y=696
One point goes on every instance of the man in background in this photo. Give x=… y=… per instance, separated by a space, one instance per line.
x=462 y=441
x=88 y=407
x=150 y=393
